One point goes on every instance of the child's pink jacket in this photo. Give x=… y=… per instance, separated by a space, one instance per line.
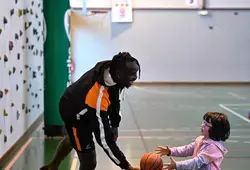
x=206 y=154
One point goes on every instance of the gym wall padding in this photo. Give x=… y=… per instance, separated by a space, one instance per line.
x=21 y=68
x=56 y=71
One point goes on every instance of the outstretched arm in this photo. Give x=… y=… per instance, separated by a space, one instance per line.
x=105 y=139
x=183 y=151
x=98 y=102
x=208 y=155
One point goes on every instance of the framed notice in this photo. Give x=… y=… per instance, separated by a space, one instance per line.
x=122 y=11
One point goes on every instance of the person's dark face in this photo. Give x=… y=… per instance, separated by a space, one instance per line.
x=128 y=75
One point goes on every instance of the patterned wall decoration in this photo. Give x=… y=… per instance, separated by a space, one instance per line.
x=21 y=68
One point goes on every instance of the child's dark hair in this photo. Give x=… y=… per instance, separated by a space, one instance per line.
x=221 y=126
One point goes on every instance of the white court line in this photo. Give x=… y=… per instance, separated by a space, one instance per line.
x=232 y=141
x=237 y=96
x=235 y=113
x=174 y=130
x=162 y=130
x=19 y=153
x=239 y=104
x=175 y=137
x=74 y=162
x=187 y=94
x=165 y=137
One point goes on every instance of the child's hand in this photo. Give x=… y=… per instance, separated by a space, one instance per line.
x=171 y=165
x=162 y=150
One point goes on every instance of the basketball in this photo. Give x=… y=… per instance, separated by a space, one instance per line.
x=151 y=161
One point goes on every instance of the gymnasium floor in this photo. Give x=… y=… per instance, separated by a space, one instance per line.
x=160 y=115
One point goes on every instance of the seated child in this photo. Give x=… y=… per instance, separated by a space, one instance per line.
x=207 y=150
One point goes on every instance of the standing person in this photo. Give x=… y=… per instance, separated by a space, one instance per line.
x=92 y=105
x=207 y=150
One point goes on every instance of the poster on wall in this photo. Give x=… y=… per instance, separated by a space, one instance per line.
x=122 y=11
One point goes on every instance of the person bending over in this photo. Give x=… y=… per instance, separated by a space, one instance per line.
x=92 y=105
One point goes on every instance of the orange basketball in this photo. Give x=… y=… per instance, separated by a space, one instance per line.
x=151 y=161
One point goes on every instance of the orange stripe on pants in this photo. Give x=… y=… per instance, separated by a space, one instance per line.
x=78 y=145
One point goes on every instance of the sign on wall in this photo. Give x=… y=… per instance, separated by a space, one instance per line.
x=122 y=11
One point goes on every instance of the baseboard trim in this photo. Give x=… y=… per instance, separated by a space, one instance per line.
x=163 y=83
x=14 y=148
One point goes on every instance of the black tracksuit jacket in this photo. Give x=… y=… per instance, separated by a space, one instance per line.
x=90 y=92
